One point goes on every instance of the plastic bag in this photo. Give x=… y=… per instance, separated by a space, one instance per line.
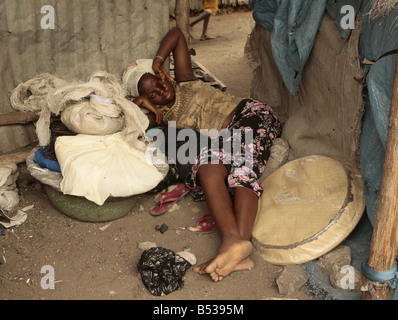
x=162 y=270
x=43 y=161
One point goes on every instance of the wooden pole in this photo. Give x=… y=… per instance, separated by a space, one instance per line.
x=182 y=13
x=15 y=157
x=384 y=246
x=17 y=118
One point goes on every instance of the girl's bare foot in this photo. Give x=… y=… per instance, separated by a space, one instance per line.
x=232 y=257
x=245 y=264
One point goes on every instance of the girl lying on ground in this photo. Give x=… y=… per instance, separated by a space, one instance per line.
x=215 y=176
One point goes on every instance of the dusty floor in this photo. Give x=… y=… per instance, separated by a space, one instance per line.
x=92 y=262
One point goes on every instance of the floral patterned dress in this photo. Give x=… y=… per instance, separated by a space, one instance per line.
x=244 y=148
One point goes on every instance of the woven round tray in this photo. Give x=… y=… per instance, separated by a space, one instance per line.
x=309 y=206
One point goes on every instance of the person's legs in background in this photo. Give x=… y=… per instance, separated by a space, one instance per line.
x=210 y=8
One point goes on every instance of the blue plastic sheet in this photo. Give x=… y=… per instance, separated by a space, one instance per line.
x=45 y=162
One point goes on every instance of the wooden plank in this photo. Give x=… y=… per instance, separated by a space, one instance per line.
x=15 y=157
x=215 y=81
x=203 y=74
x=17 y=118
x=384 y=246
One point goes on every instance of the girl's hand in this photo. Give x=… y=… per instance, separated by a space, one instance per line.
x=174 y=42
x=144 y=102
x=161 y=73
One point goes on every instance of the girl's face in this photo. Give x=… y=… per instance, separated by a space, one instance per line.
x=156 y=92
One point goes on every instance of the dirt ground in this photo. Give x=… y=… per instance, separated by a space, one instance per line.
x=98 y=261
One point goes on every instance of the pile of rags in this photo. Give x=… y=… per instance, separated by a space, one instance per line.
x=9 y=197
x=98 y=106
x=109 y=155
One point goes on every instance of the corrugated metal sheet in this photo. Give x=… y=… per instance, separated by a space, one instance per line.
x=88 y=35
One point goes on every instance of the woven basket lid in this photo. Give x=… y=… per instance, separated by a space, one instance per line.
x=309 y=206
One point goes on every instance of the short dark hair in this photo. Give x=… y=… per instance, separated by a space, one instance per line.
x=141 y=81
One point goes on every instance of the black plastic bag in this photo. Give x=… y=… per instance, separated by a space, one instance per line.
x=171 y=178
x=162 y=270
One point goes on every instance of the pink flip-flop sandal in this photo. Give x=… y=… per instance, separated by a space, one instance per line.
x=205 y=225
x=167 y=199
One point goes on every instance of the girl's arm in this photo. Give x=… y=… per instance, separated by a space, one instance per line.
x=174 y=42
x=155 y=116
x=152 y=120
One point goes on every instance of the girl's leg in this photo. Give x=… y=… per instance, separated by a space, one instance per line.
x=245 y=207
x=235 y=221
x=234 y=249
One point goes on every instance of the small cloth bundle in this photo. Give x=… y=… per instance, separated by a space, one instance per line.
x=96 y=115
x=98 y=167
x=98 y=106
x=9 y=197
